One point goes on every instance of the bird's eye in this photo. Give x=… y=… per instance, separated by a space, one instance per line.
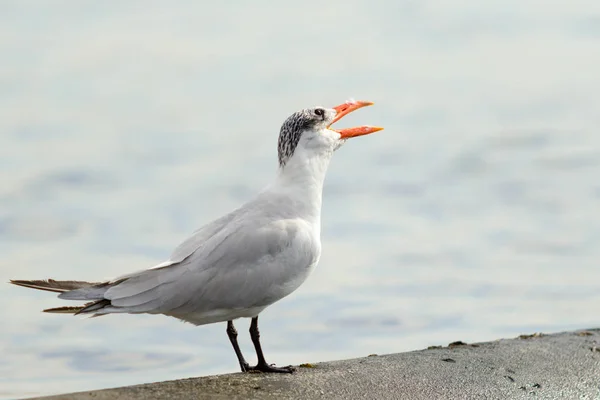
x=320 y=112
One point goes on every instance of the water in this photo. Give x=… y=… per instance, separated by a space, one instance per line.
x=124 y=127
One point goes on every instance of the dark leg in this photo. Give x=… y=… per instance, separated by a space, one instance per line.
x=232 y=333
x=262 y=363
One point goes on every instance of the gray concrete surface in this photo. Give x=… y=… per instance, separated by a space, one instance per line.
x=557 y=366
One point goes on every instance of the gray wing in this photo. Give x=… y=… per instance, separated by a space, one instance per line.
x=151 y=279
x=200 y=236
x=234 y=262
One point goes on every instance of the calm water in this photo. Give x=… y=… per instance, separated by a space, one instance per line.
x=124 y=127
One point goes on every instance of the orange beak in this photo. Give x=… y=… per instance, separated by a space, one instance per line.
x=347 y=108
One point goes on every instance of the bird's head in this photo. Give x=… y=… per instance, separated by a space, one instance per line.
x=309 y=131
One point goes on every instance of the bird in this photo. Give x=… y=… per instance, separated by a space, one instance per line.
x=239 y=264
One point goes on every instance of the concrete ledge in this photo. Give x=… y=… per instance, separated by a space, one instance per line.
x=558 y=366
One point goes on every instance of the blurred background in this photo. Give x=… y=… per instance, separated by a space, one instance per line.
x=124 y=126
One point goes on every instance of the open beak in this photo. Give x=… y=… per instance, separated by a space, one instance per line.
x=347 y=108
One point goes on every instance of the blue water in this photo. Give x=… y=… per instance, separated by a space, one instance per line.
x=472 y=216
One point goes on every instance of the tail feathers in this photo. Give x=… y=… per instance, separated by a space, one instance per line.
x=64 y=310
x=71 y=290
x=92 y=292
x=84 y=309
x=94 y=306
x=51 y=285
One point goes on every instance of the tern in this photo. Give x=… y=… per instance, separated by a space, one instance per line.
x=239 y=264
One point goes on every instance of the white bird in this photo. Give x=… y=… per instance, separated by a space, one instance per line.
x=246 y=260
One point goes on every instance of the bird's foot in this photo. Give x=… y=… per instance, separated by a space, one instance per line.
x=271 y=368
x=245 y=366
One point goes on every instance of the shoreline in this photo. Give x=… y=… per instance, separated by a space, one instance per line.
x=562 y=365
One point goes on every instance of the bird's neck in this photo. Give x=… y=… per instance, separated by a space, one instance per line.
x=300 y=181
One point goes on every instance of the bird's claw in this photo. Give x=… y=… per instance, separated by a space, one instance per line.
x=270 y=369
x=245 y=367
